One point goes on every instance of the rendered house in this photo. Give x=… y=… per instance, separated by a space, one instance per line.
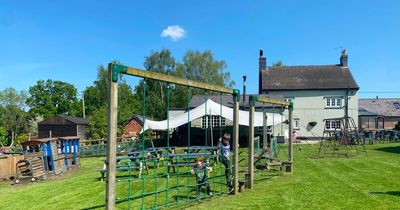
x=318 y=92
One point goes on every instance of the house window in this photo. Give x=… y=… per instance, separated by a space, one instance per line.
x=334 y=102
x=214 y=121
x=332 y=125
x=296 y=124
x=396 y=105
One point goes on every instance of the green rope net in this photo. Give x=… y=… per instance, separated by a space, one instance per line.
x=159 y=177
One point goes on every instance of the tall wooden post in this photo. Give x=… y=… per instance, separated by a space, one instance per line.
x=235 y=143
x=265 y=129
x=290 y=150
x=111 y=139
x=250 y=169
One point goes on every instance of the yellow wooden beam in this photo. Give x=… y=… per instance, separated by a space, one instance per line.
x=176 y=80
x=272 y=101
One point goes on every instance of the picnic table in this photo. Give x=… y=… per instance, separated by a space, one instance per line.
x=196 y=149
x=133 y=161
x=185 y=159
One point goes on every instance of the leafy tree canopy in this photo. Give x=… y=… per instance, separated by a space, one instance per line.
x=48 y=98
x=13 y=116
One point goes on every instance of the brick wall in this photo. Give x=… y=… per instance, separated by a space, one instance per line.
x=132 y=128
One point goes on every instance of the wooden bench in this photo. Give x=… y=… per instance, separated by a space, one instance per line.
x=242 y=183
x=274 y=164
x=287 y=165
x=103 y=171
x=136 y=165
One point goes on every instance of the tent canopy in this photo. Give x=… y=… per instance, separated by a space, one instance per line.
x=215 y=109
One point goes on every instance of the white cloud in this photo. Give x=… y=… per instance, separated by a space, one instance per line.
x=175 y=32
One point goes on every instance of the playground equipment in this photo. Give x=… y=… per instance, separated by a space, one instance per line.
x=344 y=141
x=111 y=162
x=166 y=185
x=289 y=163
x=47 y=157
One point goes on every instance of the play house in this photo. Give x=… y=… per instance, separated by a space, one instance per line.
x=48 y=156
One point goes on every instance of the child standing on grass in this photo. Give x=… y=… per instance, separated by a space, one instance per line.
x=225 y=150
x=200 y=170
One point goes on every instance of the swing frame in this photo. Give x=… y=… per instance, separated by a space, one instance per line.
x=252 y=102
x=114 y=73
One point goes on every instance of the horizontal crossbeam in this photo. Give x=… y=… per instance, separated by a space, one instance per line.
x=174 y=80
x=272 y=101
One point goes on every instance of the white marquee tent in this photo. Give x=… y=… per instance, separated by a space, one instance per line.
x=213 y=108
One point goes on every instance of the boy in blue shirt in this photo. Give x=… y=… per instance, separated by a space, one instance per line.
x=225 y=150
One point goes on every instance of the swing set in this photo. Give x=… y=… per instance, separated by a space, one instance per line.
x=157 y=185
x=272 y=146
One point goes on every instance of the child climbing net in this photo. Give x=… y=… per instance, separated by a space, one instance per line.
x=200 y=170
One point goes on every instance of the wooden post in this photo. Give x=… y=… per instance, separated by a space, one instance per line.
x=265 y=129
x=111 y=140
x=250 y=166
x=290 y=149
x=235 y=143
x=50 y=134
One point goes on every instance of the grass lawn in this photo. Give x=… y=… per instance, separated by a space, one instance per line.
x=331 y=183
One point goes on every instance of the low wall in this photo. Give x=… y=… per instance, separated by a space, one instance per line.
x=7 y=165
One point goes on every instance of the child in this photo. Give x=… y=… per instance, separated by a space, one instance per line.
x=225 y=149
x=200 y=169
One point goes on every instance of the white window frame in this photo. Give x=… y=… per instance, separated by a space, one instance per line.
x=214 y=121
x=332 y=125
x=296 y=124
x=333 y=102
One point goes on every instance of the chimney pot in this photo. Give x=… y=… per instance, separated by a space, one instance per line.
x=262 y=65
x=344 y=58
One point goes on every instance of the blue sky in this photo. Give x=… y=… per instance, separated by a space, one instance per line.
x=67 y=40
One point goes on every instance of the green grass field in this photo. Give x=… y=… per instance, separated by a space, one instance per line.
x=330 y=183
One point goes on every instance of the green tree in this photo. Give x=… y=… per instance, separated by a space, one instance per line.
x=160 y=62
x=96 y=104
x=203 y=67
x=97 y=127
x=278 y=63
x=48 y=98
x=14 y=118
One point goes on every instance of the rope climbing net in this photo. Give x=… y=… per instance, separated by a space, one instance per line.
x=157 y=177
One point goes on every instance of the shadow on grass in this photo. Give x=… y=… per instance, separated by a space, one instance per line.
x=390 y=149
x=393 y=193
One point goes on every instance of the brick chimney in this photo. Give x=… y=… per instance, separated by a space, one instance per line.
x=344 y=58
x=262 y=65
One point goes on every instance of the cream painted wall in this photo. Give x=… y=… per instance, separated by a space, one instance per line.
x=310 y=105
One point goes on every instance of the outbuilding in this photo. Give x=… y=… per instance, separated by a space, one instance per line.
x=63 y=125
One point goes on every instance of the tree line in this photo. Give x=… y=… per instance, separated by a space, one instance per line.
x=20 y=111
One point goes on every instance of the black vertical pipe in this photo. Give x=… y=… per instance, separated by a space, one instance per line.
x=244 y=91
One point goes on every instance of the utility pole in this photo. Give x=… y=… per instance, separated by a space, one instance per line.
x=83 y=104
x=244 y=92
